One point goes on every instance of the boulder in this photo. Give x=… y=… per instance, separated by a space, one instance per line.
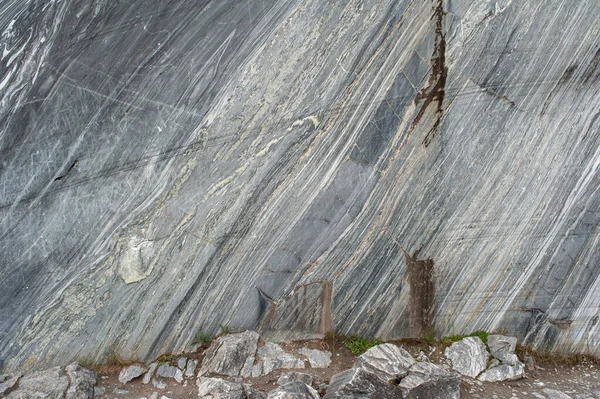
x=294 y=390
x=228 y=355
x=217 y=388
x=131 y=372
x=503 y=372
x=360 y=384
x=503 y=348
x=272 y=357
x=82 y=382
x=167 y=371
x=428 y=381
x=316 y=358
x=51 y=383
x=469 y=356
x=388 y=361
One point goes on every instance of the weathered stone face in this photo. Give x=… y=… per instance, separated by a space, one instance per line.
x=168 y=167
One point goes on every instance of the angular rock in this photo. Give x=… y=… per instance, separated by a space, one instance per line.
x=503 y=348
x=316 y=358
x=167 y=371
x=253 y=393
x=51 y=383
x=217 y=388
x=228 y=354
x=468 y=356
x=290 y=376
x=294 y=390
x=150 y=373
x=131 y=372
x=503 y=372
x=272 y=357
x=360 y=384
x=190 y=369
x=429 y=381
x=82 y=382
x=99 y=391
x=388 y=361
x=119 y=391
x=7 y=385
x=182 y=363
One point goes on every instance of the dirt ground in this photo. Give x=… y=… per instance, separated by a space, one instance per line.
x=577 y=377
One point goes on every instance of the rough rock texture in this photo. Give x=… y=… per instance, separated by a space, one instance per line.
x=272 y=357
x=469 y=356
x=294 y=390
x=388 y=361
x=253 y=393
x=167 y=371
x=216 y=388
x=360 y=384
x=230 y=354
x=317 y=359
x=8 y=385
x=503 y=372
x=75 y=382
x=503 y=348
x=134 y=371
x=170 y=166
x=150 y=373
x=81 y=382
x=428 y=381
x=290 y=376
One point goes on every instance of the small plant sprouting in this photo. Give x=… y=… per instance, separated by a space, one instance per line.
x=201 y=338
x=165 y=358
x=483 y=335
x=358 y=345
x=224 y=330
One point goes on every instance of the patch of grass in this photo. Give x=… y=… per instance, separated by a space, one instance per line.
x=359 y=345
x=450 y=339
x=165 y=358
x=224 y=330
x=201 y=338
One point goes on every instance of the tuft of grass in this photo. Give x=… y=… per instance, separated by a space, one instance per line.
x=201 y=338
x=359 y=345
x=224 y=330
x=165 y=358
x=450 y=339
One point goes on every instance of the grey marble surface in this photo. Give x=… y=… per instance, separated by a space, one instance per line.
x=168 y=167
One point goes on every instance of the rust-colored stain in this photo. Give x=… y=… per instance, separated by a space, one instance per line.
x=419 y=273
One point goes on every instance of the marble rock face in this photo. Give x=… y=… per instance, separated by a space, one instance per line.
x=376 y=167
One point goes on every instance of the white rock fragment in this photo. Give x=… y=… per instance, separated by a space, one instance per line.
x=469 y=356
x=131 y=372
x=503 y=348
x=316 y=358
x=503 y=372
x=387 y=361
x=228 y=354
x=150 y=373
